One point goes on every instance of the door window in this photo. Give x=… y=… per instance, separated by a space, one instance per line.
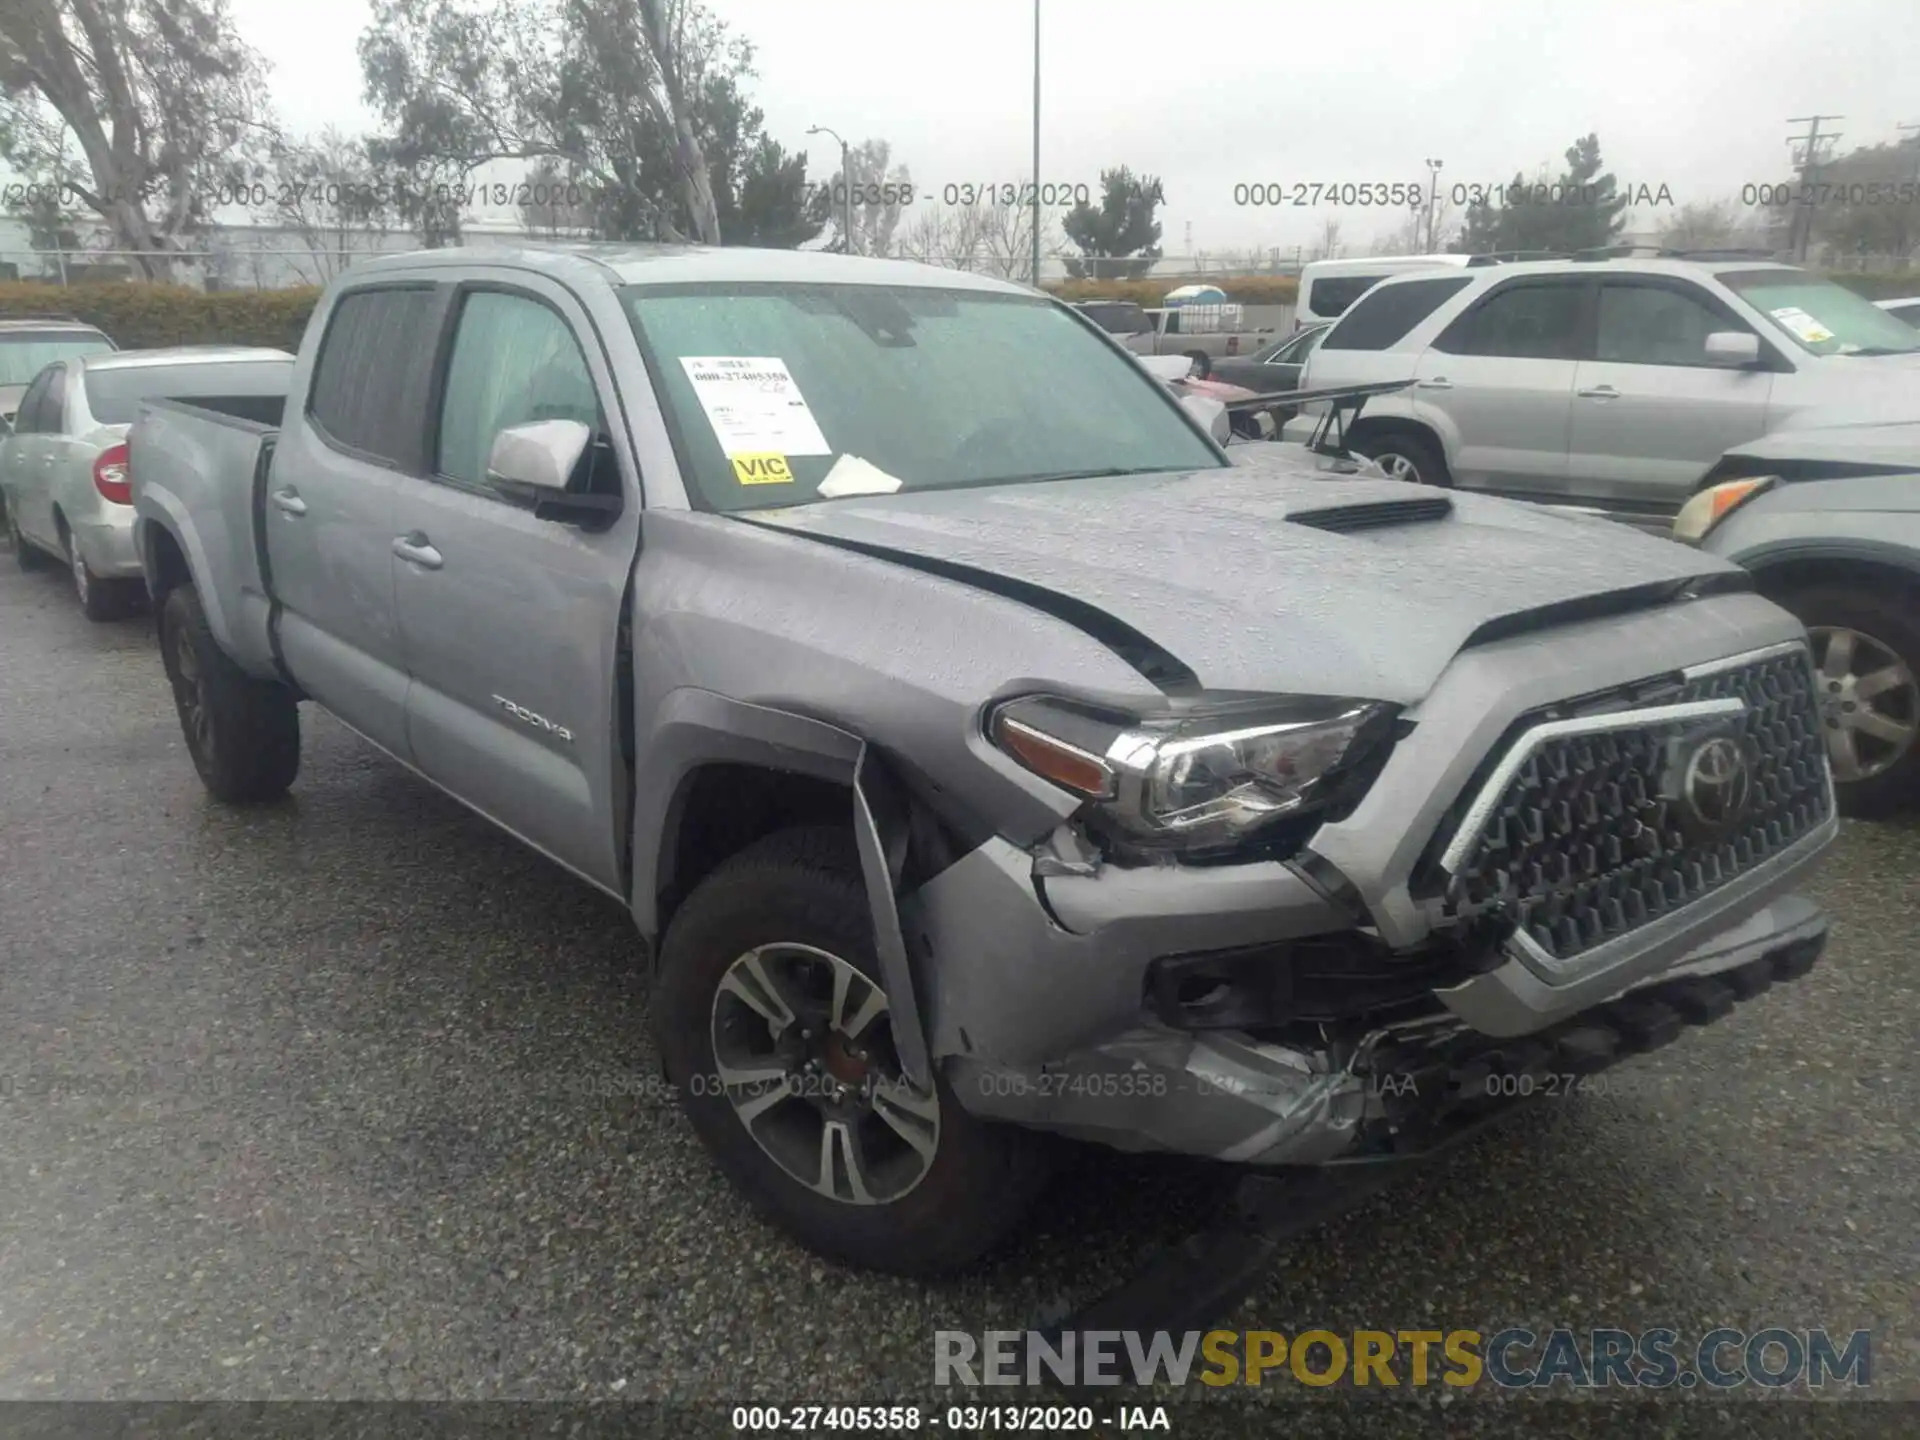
x=1655 y=325
x=515 y=361
x=1531 y=322
x=369 y=390
x=53 y=404
x=1384 y=316
x=26 y=420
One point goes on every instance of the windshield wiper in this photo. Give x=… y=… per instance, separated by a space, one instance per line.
x=1104 y=474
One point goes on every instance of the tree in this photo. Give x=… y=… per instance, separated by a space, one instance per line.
x=1701 y=225
x=1863 y=202
x=325 y=194
x=1120 y=240
x=150 y=107
x=768 y=203
x=875 y=216
x=639 y=102
x=1582 y=208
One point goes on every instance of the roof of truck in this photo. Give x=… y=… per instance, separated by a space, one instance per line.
x=626 y=264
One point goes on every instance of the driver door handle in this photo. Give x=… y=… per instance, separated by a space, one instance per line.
x=414 y=548
x=289 y=500
x=1600 y=392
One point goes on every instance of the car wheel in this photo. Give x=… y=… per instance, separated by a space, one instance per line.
x=1202 y=363
x=1867 y=652
x=24 y=553
x=777 y=1034
x=243 y=733
x=101 y=600
x=1404 y=457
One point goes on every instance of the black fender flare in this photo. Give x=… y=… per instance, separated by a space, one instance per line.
x=694 y=728
x=1762 y=558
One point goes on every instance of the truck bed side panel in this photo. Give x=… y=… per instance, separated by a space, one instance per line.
x=194 y=474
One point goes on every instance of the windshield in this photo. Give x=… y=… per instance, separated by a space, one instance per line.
x=1821 y=317
x=114 y=396
x=23 y=356
x=771 y=388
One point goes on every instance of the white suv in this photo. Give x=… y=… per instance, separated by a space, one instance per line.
x=1616 y=381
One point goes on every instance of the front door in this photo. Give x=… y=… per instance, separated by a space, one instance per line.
x=512 y=621
x=1650 y=415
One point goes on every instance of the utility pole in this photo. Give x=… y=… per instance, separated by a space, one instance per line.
x=1433 y=197
x=1036 y=144
x=1808 y=159
x=846 y=184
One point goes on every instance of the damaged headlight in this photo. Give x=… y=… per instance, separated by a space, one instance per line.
x=1195 y=781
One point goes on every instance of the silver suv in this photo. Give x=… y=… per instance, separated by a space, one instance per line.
x=1617 y=381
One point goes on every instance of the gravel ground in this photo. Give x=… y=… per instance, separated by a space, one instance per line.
x=356 y=1103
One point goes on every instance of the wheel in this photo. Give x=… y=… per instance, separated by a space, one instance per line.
x=1404 y=456
x=1202 y=363
x=243 y=733
x=1867 y=650
x=102 y=600
x=24 y=553
x=776 y=1032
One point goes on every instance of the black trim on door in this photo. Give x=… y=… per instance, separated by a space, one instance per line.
x=1449 y=339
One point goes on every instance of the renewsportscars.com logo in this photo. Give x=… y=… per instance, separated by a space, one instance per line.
x=1514 y=1358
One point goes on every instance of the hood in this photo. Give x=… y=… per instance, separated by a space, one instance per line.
x=1268 y=577
x=1857 y=445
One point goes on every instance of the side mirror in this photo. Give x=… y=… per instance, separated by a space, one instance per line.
x=1734 y=349
x=535 y=462
x=540 y=457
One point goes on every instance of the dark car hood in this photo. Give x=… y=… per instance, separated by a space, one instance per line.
x=1211 y=569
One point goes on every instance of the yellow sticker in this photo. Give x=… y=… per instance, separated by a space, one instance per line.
x=762 y=470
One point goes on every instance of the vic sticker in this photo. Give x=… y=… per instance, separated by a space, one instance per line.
x=762 y=470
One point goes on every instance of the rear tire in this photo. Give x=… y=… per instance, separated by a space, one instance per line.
x=1876 y=671
x=243 y=733
x=100 y=600
x=1405 y=457
x=1202 y=363
x=792 y=909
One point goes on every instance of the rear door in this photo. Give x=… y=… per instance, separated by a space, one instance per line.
x=20 y=457
x=1499 y=384
x=330 y=494
x=1650 y=415
x=511 y=620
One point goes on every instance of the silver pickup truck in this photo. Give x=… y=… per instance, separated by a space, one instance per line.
x=983 y=755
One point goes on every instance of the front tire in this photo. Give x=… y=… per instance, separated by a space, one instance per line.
x=1404 y=457
x=243 y=733
x=775 y=1030
x=1867 y=652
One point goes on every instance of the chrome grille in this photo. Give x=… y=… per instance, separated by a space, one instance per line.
x=1589 y=835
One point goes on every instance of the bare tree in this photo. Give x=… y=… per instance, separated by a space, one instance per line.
x=324 y=194
x=155 y=102
x=1327 y=246
x=879 y=199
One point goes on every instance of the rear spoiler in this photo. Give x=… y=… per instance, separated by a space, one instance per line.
x=1344 y=404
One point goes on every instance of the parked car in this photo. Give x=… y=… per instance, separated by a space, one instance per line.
x=1200 y=332
x=1907 y=309
x=1273 y=369
x=29 y=344
x=1615 y=381
x=981 y=754
x=64 y=468
x=1828 y=520
x=1329 y=288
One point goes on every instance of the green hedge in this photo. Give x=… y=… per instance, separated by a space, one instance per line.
x=1893 y=285
x=1241 y=289
x=142 y=316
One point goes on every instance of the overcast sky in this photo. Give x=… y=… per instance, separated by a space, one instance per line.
x=1690 y=94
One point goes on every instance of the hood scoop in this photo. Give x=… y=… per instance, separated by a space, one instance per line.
x=1374 y=515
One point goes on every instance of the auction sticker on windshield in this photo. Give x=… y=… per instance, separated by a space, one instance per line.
x=754 y=406
x=1802 y=324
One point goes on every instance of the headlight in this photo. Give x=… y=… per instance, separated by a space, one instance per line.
x=1715 y=503
x=1195 y=781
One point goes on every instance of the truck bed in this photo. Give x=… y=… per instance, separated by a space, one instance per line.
x=201 y=465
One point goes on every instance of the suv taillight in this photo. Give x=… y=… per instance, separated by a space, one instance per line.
x=110 y=475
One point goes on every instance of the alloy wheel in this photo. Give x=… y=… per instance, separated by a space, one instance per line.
x=1398 y=467
x=1869 y=702
x=190 y=693
x=803 y=1051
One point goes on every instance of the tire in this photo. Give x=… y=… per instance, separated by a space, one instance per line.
x=243 y=733
x=1416 y=460
x=1882 y=777
x=801 y=889
x=100 y=600
x=1202 y=363
x=24 y=553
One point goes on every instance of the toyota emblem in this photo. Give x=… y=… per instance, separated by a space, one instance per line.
x=1717 y=787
